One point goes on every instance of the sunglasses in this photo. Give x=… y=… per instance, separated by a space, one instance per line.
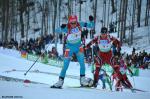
x=73 y=23
x=103 y=33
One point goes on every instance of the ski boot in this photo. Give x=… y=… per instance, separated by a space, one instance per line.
x=94 y=84
x=58 y=84
x=85 y=82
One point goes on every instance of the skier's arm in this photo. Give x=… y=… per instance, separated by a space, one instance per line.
x=116 y=42
x=91 y=42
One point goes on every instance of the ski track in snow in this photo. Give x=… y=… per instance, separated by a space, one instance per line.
x=40 y=91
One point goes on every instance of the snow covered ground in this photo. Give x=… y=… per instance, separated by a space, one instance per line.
x=37 y=91
x=11 y=66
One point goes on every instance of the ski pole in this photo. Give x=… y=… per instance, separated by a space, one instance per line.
x=133 y=81
x=37 y=59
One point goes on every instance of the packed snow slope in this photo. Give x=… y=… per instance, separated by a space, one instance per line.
x=15 y=67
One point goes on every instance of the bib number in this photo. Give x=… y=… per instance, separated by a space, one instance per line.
x=105 y=46
x=74 y=36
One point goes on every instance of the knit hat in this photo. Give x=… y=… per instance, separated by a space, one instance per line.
x=72 y=18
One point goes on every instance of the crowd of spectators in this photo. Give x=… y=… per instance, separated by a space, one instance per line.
x=36 y=46
x=139 y=60
x=32 y=46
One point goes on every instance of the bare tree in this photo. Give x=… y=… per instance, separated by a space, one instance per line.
x=120 y=16
x=147 y=12
x=5 y=19
x=113 y=6
x=69 y=8
x=139 y=4
x=133 y=19
x=95 y=12
x=22 y=7
x=80 y=10
x=59 y=9
x=46 y=11
x=43 y=15
x=108 y=13
x=123 y=13
x=11 y=19
x=104 y=13
x=125 y=18
x=28 y=20
x=54 y=2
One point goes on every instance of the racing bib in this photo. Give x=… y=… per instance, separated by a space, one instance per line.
x=104 y=46
x=74 y=36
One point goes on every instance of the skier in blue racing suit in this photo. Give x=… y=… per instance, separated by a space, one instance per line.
x=73 y=45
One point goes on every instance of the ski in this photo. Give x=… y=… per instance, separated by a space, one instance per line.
x=53 y=87
x=139 y=90
x=81 y=87
x=134 y=89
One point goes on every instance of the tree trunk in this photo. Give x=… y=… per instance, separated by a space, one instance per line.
x=55 y=15
x=42 y=22
x=125 y=17
x=3 y=19
x=133 y=19
x=6 y=21
x=95 y=13
x=120 y=18
x=147 y=12
x=59 y=11
x=113 y=6
x=108 y=14
x=104 y=13
x=139 y=4
x=11 y=19
x=22 y=9
x=69 y=8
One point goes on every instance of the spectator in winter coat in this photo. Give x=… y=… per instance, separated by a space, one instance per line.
x=53 y=53
x=146 y=61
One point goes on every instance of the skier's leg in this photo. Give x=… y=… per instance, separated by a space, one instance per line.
x=109 y=83
x=98 y=64
x=118 y=85
x=85 y=82
x=67 y=58
x=80 y=58
x=119 y=75
x=109 y=58
x=122 y=80
x=60 y=82
x=127 y=81
x=129 y=84
x=104 y=85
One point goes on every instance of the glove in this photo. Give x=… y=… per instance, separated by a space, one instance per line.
x=85 y=47
x=118 y=50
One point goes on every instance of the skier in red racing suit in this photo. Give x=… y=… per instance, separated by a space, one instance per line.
x=121 y=80
x=104 y=54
